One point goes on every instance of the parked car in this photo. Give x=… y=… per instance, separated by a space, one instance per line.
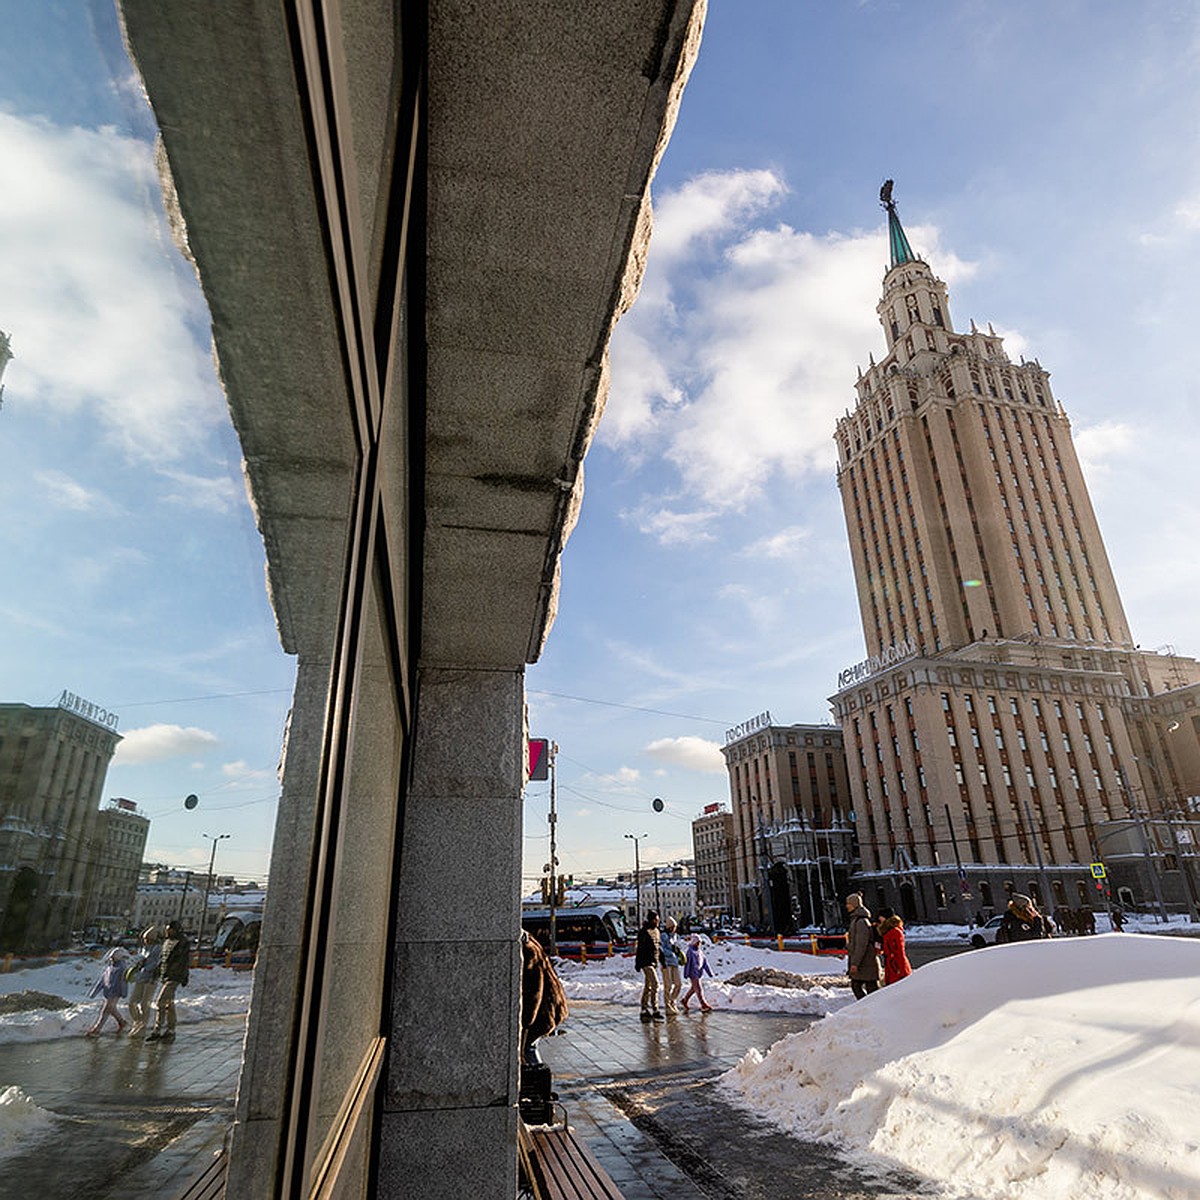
x=985 y=935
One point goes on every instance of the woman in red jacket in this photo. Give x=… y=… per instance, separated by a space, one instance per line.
x=895 y=962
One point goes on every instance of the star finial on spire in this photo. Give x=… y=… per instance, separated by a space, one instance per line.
x=897 y=240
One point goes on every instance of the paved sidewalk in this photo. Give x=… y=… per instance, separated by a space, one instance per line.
x=133 y=1117
x=643 y=1099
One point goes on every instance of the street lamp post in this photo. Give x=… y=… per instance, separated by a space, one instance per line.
x=1151 y=866
x=212 y=858
x=1168 y=816
x=637 y=876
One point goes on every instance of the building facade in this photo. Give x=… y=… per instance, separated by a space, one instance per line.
x=416 y=225
x=53 y=762
x=1004 y=729
x=712 y=845
x=169 y=896
x=794 y=845
x=121 y=833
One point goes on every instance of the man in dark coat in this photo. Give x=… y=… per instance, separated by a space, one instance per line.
x=172 y=974
x=649 y=950
x=1022 y=922
x=862 y=959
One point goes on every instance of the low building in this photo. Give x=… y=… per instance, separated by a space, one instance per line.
x=795 y=845
x=712 y=844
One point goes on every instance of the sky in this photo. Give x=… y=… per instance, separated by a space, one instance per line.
x=1045 y=164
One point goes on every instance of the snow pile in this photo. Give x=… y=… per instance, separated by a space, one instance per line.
x=615 y=980
x=26 y=1014
x=21 y=1121
x=1041 y=1070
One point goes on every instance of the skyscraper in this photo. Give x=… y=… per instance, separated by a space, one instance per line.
x=1004 y=732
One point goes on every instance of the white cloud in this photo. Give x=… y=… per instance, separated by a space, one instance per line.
x=65 y=492
x=742 y=362
x=218 y=494
x=694 y=753
x=157 y=743
x=1097 y=445
x=709 y=205
x=675 y=528
x=786 y=544
x=619 y=780
x=105 y=318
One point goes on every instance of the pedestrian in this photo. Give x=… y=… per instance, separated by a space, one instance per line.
x=1022 y=922
x=895 y=961
x=143 y=976
x=110 y=985
x=646 y=960
x=1117 y=918
x=672 y=960
x=543 y=1001
x=862 y=962
x=694 y=969
x=175 y=954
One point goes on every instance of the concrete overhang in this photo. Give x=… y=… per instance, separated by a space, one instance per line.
x=544 y=125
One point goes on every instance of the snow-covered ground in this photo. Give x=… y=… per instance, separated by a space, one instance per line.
x=1035 y=1071
x=211 y=992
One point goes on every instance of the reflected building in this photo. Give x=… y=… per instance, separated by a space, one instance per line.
x=1004 y=729
x=121 y=833
x=53 y=763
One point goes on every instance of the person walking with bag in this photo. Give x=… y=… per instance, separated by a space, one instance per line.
x=862 y=962
x=143 y=976
x=672 y=961
x=649 y=950
x=172 y=975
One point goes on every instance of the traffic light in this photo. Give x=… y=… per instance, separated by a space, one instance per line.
x=545 y=889
x=561 y=898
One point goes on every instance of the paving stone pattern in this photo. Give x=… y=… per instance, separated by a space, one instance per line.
x=642 y=1097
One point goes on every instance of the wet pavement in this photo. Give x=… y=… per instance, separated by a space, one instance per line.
x=644 y=1100
x=137 y=1120
x=134 y=1119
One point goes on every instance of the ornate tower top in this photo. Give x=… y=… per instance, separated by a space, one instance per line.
x=897 y=240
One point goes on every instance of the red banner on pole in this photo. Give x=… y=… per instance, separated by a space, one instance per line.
x=539 y=758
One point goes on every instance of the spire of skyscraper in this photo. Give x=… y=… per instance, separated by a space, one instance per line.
x=897 y=239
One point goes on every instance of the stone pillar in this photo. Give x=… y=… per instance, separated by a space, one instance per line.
x=448 y=1126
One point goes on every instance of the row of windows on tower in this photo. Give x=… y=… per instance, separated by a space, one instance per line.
x=1071 y=740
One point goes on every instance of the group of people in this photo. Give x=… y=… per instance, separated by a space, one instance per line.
x=661 y=948
x=148 y=978
x=874 y=948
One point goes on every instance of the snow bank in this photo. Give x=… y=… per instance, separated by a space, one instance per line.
x=21 y=1121
x=1044 y=1071
x=211 y=992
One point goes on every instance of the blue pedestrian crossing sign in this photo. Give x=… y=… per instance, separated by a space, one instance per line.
x=1098 y=871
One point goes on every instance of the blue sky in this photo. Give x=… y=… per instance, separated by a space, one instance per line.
x=1046 y=164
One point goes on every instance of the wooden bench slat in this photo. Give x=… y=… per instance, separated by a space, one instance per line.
x=561 y=1167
